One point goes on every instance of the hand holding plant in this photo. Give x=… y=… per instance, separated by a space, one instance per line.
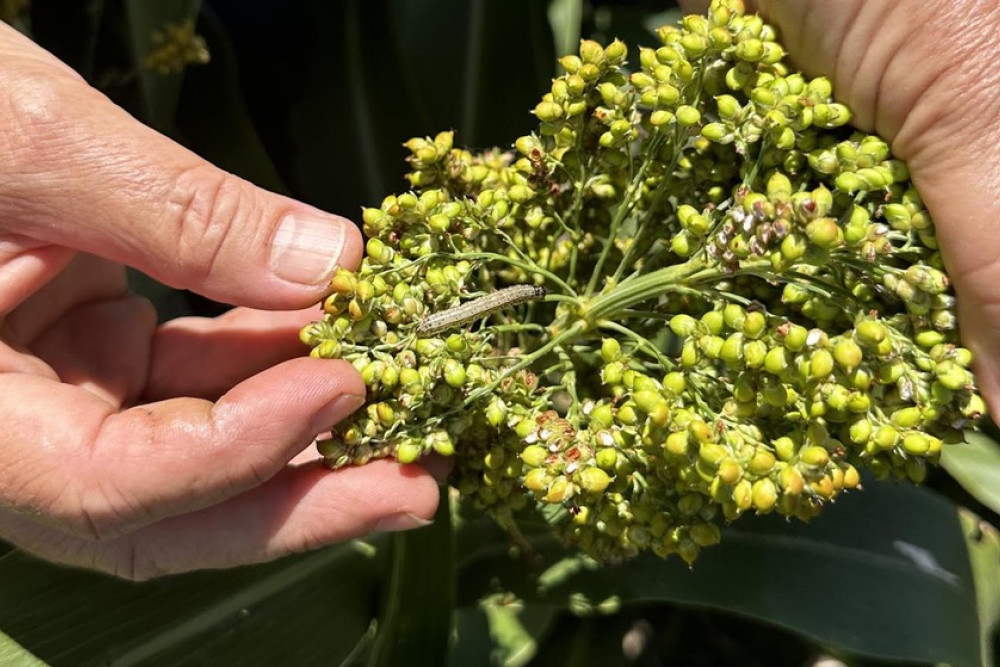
x=710 y=190
x=140 y=449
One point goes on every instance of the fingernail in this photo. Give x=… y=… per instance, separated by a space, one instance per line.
x=307 y=247
x=335 y=411
x=397 y=522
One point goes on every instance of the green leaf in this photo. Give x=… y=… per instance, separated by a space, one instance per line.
x=492 y=81
x=160 y=92
x=634 y=25
x=338 y=135
x=984 y=551
x=13 y=654
x=884 y=573
x=976 y=466
x=414 y=626
x=382 y=71
x=515 y=628
x=585 y=641
x=212 y=115
x=309 y=609
x=565 y=17
x=500 y=632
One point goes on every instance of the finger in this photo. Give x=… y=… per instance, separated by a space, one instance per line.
x=25 y=265
x=102 y=347
x=301 y=508
x=70 y=456
x=20 y=360
x=126 y=193
x=204 y=357
x=84 y=279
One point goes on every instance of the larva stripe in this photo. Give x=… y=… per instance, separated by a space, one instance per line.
x=478 y=308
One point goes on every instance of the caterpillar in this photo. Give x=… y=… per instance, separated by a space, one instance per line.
x=478 y=308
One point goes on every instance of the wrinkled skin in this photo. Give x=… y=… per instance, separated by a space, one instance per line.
x=924 y=76
x=139 y=449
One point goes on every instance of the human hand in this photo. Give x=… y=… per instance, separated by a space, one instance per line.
x=923 y=75
x=113 y=455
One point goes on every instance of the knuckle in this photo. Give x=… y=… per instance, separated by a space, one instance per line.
x=201 y=209
x=35 y=107
x=37 y=136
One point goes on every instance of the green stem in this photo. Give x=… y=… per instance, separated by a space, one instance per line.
x=569 y=383
x=530 y=267
x=757 y=163
x=667 y=173
x=563 y=298
x=643 y=342
x=678 y=150
x=572 y=332
x=510 y=243
x=647 y=286
x=630 y=251
x=516 y=328
x=804 y=280
x=624 y=209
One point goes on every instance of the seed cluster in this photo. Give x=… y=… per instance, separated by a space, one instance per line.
x=174 y=47
x=744 y=303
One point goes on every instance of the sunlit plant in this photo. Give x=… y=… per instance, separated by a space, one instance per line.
x=694 y=292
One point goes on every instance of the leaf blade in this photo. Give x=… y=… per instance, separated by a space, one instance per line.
x=415 y=624
x=885 y=574
x=278 y=609
x=975 y=465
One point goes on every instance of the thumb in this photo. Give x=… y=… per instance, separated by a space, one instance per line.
x=78 y=171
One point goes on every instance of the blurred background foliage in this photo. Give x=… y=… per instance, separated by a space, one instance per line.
x=313 y=99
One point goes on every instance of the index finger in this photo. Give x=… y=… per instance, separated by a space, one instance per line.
x=69 y=457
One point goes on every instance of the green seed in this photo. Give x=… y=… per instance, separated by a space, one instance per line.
x=408 y=452
x=677 y=443
x=594 y=480
x=825 y=233
x=886 y=437
x=916 y=444
x=537 y=480
x=870 y=332
x=454 y=373
x=534 y=455
x=607 y=458
x=847 y=353
x=764 y=495
x=905 y=417
x=820 y=364
x=611 y=350
x=814 y=456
